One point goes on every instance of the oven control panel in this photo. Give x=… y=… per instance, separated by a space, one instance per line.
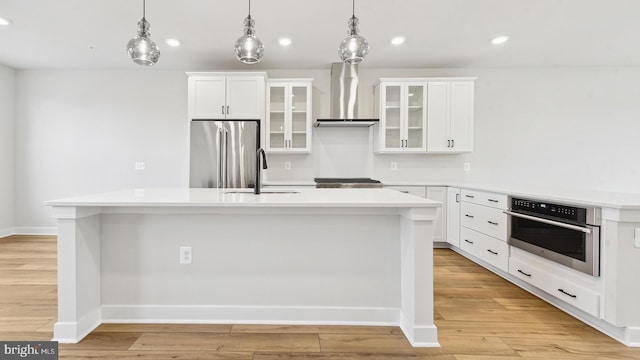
x=550 y=210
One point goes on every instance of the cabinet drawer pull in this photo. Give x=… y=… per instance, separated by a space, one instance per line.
x=223 y=109
x=492 y=223
x=469 y=216
x=524 y=273
x=453 y=143
x=493 y=200
x=468 y=241
x=493 y=252
x=227 y=109
x=568 y=294
x=469 y=196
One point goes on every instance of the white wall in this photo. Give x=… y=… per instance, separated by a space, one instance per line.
x=7 y=153
x=82 y=131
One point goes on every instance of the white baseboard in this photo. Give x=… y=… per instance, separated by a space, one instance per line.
x=7 y=232
x=289 y=315
x=35 y=231
x=73 y=332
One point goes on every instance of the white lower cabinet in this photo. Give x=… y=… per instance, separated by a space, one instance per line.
x=490 y=221
x=560 y=283
x=453 y=216
x=439 y=193
x=487 y=248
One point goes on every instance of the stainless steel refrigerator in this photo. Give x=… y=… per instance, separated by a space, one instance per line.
x=223 y=153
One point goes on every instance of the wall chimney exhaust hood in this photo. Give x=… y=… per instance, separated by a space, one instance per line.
x=344 y=98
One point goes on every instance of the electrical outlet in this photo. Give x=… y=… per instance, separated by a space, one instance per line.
x=140 y=165
x=287 y=165
x=186 y=254
x=467 y=166
x=394 y=166
x=636 y=238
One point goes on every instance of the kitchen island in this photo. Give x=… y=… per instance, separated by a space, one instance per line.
x=311 y=256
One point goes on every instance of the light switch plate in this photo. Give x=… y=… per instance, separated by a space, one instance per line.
x=467 y=166
x=140 y=165
x=394 y=166
x=287 y=165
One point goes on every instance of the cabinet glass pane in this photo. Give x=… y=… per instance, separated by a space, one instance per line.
x=299 y=98
x=392 y=139
x=415 y=116
x=299 y=140
x=276 y=130
x=392 y=96
x=276 y=99
x=276 y=141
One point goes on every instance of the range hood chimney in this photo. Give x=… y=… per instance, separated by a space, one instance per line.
x=344 y=98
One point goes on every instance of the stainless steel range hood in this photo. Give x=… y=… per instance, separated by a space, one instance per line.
x=344 y=98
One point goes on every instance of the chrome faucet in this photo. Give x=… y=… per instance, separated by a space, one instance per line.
x=256 y=189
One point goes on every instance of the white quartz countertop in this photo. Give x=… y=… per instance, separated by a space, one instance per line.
x=301 y=197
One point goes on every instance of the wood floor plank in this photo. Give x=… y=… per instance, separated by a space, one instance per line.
x=172 y=328
x=152 y=355
x=23 y=323
x=505 y=329
x=228 y=342
x=350 y=356
x=380 y=344
x=309 y=329
x=104 y=341
x=476 y=345
x=552 y=348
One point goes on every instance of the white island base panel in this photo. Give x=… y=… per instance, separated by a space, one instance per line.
x=328 y=265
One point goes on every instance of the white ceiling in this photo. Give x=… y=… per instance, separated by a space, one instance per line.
x=92 y=34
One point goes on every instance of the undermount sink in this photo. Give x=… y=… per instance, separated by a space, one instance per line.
x=263 y=192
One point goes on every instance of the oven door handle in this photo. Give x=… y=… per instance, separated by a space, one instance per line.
x=550 y=222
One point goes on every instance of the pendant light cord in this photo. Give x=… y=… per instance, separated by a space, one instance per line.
x=249 y=8
x=144 y=8
x=353 y=12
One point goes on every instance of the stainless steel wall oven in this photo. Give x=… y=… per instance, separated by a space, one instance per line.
x=569 y=235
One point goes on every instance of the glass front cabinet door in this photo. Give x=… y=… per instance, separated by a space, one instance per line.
x=288 y=127
x=402 y=111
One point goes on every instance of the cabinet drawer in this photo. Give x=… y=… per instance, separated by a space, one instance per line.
x=489 y=249
x=413 y=190
x=487 y=220
x=557 y=285
x=494 y=200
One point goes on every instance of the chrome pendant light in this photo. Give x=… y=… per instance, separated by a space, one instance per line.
x=249 y=48
x=354 y=47
x=141 y=49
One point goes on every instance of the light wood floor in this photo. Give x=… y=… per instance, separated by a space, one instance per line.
x=479 y=316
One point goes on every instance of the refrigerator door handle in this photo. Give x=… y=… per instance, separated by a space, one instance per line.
x=219 y=169
x=224 y=158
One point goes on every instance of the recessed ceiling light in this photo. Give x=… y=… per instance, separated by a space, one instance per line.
x=284 y=41
x=499 y=40
x=5 y=21
x=173 y=42
x=398 y=40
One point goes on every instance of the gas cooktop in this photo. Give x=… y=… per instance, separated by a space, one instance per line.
x=347 y=183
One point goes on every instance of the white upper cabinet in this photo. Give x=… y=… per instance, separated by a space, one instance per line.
x=450 y=116
x=289 y=115
x=403 y=117
x=226 y=95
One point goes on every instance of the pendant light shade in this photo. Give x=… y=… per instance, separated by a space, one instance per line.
x=249 y=48
x=354 y=47
x=141 y=49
